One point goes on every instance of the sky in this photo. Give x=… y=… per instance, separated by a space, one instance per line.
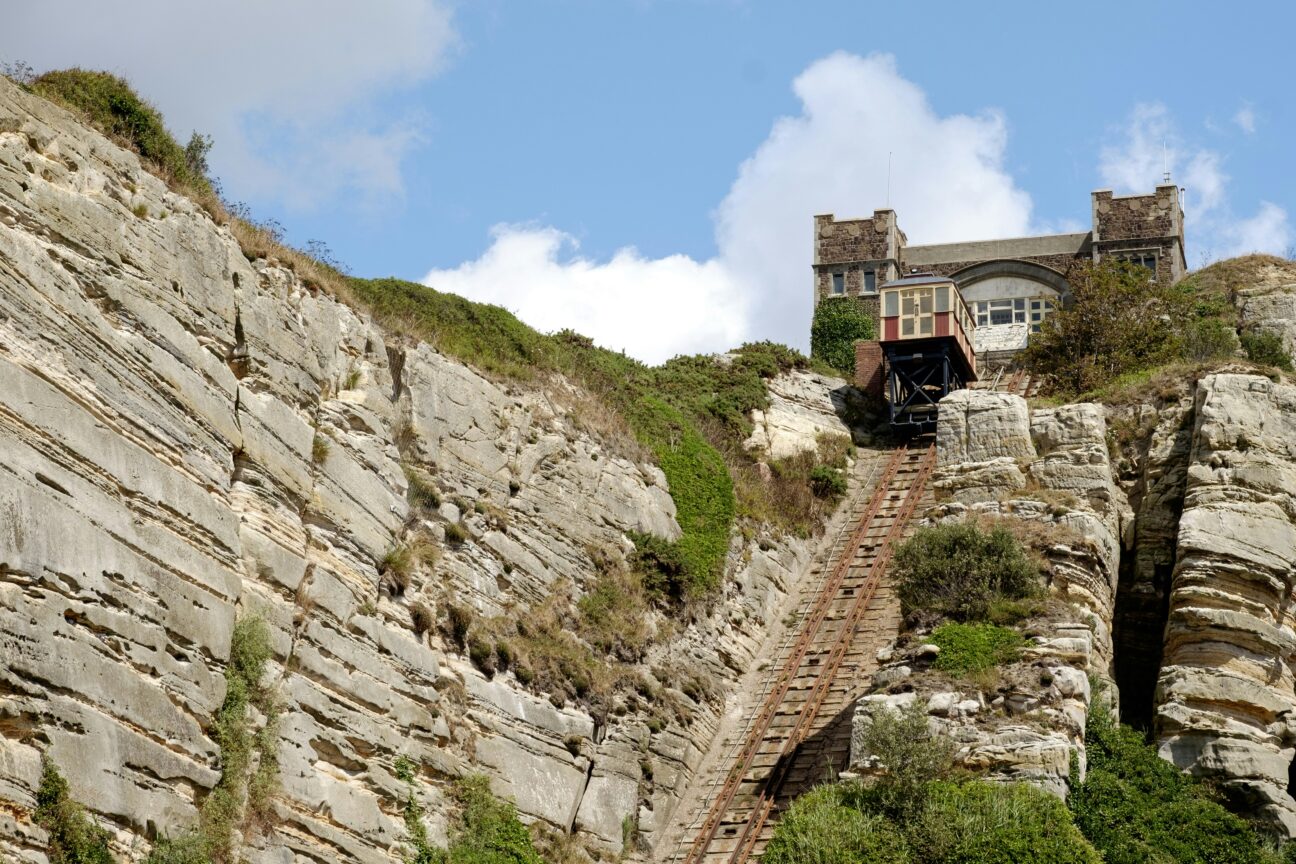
x=647 y=171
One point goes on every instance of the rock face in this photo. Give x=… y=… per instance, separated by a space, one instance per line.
x=1048 y=476
x=188 y=437
x=1226 y=697
x=1198 y=577
x=798 y=413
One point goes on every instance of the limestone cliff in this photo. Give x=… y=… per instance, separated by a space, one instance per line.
x=1172 y=566
x=188 y=436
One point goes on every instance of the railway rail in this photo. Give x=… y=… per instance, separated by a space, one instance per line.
x=801 y=730
x=800 y=733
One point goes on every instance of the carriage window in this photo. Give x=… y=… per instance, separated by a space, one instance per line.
x=870 y=282
x=891 y=304
x=942 y=299
x=839 y=283
x=916 y=312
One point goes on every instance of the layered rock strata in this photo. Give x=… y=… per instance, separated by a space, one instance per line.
x=1047 y=472
x=188 y=437
x=1226 y=696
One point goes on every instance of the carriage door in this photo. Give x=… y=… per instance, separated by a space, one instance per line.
x=916 y=312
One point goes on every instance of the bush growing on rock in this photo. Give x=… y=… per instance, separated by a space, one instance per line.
x=1267 y=349
x=1119 y=319
x=1136 y=807
x=959 y=570
x=909 y=756
x=73 y=837
x=822 y=828
x=992 y=823
x=971 y=822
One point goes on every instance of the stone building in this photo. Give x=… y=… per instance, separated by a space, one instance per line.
x=1010 y=285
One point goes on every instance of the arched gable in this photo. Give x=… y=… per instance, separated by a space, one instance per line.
x=1012 y=269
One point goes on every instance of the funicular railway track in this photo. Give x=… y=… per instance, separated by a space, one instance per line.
x=800 y=733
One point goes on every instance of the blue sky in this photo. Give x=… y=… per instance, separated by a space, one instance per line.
x=646 y=171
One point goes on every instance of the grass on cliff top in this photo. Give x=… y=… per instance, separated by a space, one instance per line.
x=691 y=413
x=110 y=105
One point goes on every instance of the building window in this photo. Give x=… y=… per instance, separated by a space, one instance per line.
x=839 y=283
x=1040 y=309
x=1141 y=259
x=870 y=282
x=994 y=312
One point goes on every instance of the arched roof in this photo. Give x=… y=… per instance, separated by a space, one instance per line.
x=1012 y=267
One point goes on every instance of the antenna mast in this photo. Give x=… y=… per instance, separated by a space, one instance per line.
x=1165 y=162
x=888 y=198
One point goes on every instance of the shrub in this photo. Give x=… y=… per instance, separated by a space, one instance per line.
x=421 y=492
x=320 y=448
x=488 y=830
x=821 y=827
x=1136 y=807
x=990 y=823
x=839 y=322
x=1206 y=339
x=397 y=569
x=827 y=482
x=422 y=618
x=1119 y=319
x=455 y=533
x=458 y=620
x=1266 y=348
x=959 y=570
x=910 y=756
x=970 y=648
x=112 y=107
x=73 y=837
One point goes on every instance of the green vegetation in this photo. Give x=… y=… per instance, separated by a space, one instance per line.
x=971 y=648
x=1123 y=328
x=1120 y=319
x=960 y=571
x=691 y=415
x=913 y=757
x=1267 y=349
x=1136 y=807
x=73 y=837
x=249 y=761
x=839 y=322
x=320 y=448
x=992 y=823
x=914 y=813
x=486 y=830
x=824 y=826
x=110 y=105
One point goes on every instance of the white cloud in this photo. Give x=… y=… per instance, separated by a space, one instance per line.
x=1267 y=231
x=1245 y=119
x=948 y=183
x=299 y=72
x=1212 y=227
x=653 y=308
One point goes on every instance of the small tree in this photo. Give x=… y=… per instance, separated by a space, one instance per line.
x=958 y=570
x=839 y=322
x=911 y=756
x=1120 y=319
